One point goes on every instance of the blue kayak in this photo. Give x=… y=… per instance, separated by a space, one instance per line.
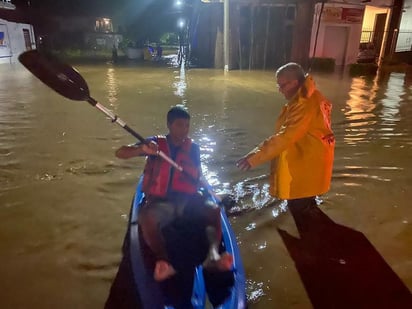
x=152 y=294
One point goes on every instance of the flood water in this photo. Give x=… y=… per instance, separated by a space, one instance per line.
x=65 y=198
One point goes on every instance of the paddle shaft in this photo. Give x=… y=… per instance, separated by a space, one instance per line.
x=123 y=124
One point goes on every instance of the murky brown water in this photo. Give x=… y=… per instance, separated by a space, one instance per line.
x=64 y=197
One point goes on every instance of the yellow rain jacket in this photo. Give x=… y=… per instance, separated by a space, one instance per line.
x=301 y=150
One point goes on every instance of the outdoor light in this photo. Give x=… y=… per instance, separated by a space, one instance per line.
x=181 y=23
x=178 y=2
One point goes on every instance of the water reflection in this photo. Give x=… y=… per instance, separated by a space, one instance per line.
x=373 y=108
x=391 y=101
x=112 y=86
x=180 y=84
x=207 y=150
x=372 y=115
x=360 y=111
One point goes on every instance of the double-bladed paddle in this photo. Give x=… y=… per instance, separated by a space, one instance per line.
x=68 y=82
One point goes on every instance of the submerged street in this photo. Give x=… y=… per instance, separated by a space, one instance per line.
x=65 y=198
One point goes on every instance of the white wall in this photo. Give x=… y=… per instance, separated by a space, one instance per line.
x=404 y=42
x=346 y=28
x=14 y=44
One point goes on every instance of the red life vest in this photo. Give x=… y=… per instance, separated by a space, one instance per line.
x=157 y=171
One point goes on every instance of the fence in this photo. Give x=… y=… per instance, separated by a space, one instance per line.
x=402 y=40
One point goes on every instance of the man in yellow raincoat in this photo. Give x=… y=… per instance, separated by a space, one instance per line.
x=301 y=150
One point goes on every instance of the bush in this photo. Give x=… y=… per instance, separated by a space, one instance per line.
x=169 y=38
x=79 y=55
x=362 y=69
x=323 y=64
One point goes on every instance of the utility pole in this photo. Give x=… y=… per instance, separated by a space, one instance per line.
x=393 y=30
x=305 y=11
x=226 y=35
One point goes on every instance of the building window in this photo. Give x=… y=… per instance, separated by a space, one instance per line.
x=27 y=40
x=103 y=25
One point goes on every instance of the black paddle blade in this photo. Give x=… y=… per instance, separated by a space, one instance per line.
x=61 y=77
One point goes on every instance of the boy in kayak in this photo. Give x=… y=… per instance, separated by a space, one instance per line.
x=171 y=194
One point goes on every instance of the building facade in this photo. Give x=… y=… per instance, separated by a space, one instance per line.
x=16 y=33
x=267 y=33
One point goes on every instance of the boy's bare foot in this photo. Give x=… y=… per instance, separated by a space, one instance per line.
x=223 y=263
x=163 y=270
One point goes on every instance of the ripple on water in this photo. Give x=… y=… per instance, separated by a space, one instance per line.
x=88 y=168
x=358 y=175
x=252 y=194
x=254 y=291
x=48 y=177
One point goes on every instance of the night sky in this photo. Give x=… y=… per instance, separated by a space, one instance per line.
x=96 y=7
x=75 y=6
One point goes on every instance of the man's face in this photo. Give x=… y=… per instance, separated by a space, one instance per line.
x=287 y=87
x=179 y=129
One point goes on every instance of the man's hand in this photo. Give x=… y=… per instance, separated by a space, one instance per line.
x=151 y=149
x=243 y=164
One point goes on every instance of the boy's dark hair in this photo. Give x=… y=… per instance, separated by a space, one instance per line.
x=177 y=112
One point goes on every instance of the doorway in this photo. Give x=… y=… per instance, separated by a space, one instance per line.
x=379 y=31
x=27 y=39
x=336 y=41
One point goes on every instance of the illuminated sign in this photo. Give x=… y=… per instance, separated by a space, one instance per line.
x=342 y=15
